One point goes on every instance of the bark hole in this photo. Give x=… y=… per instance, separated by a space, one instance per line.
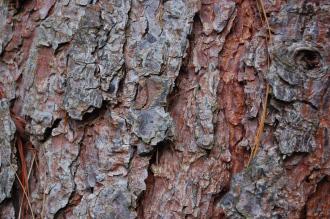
x=49 y=130
x=308 y=59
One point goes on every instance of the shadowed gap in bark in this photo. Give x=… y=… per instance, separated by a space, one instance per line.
x=157 y=152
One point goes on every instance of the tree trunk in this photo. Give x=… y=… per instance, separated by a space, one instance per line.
x=164 y=109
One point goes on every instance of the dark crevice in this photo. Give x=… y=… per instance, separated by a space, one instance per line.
x=308 y=59
x=159 y=150
x=96 y=113
x=156 y=153
x=61 y=47
x=303 y=212
x=221 y=194
x=16 y=195
x=184 y=68
x=74 y=200
x=49 y=130
x=280 y=104
x=121 y=83
x=217 y=211
x=17 y=4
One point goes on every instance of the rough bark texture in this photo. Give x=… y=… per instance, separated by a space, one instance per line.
x=149 y=109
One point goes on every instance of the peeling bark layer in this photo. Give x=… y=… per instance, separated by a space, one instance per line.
x=149 y=109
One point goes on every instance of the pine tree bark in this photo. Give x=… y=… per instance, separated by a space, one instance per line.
x=150 y=109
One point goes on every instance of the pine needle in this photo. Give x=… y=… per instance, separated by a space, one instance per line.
x=256 y=146
x=261 y=126
x=27 y=197
x=20 y=124
x=28 y=177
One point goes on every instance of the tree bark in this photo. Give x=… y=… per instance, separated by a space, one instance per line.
x=153 y=109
